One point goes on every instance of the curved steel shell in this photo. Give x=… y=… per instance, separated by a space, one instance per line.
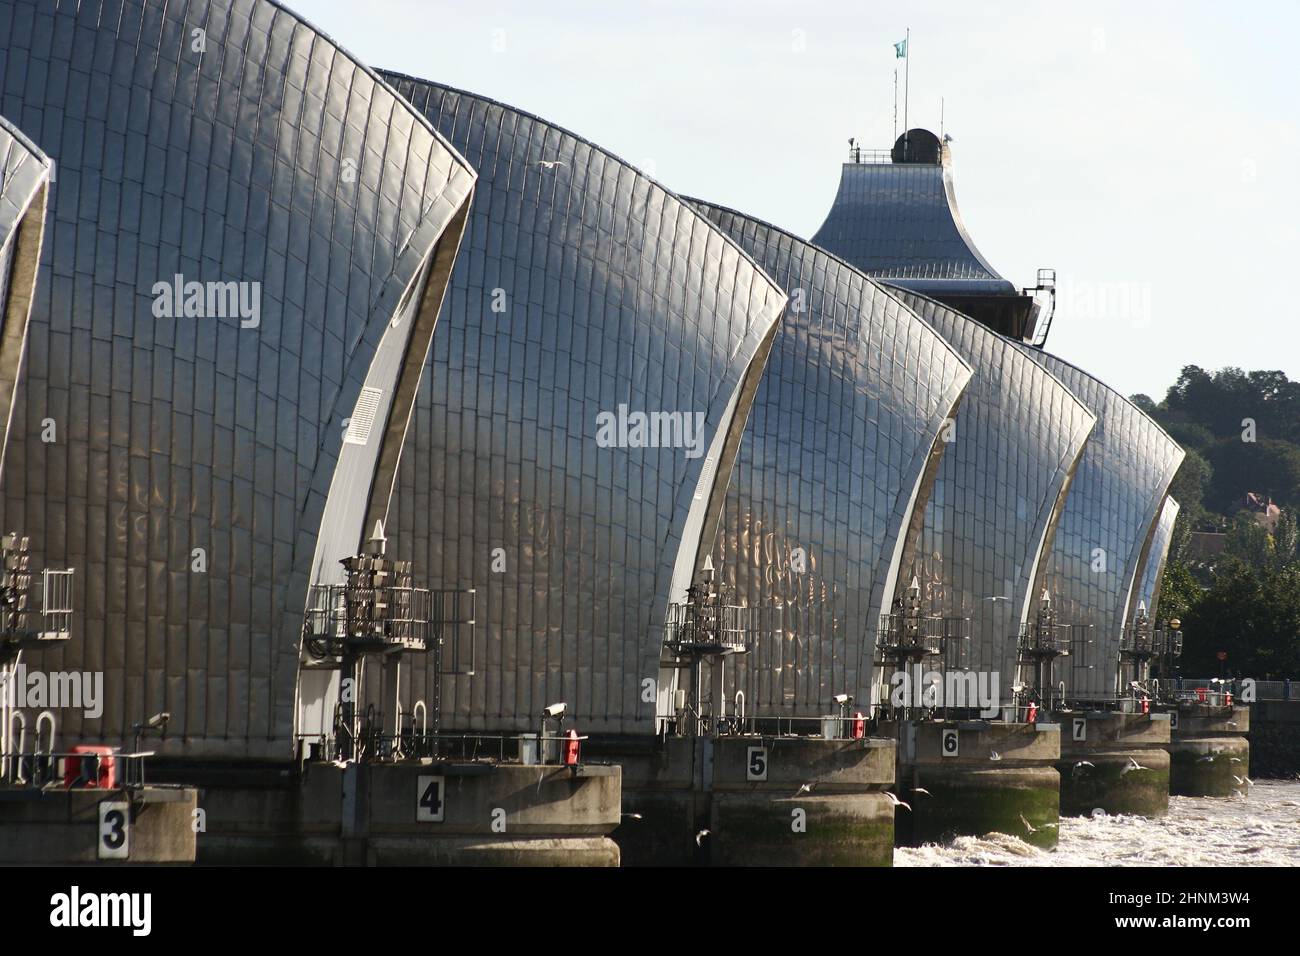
x=240 y=213
x=899 y=221
x=24 y=181
x=1013 y=448
x=1115 y=497
x=587 y=294
x=1153 y=566
x=836 y=458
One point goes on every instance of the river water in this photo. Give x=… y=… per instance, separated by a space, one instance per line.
x=1261 y=828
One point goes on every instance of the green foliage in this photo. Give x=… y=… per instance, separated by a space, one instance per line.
x=1253 y=615
x=1266 y=466
x=1246 y=602
x=1191 y=482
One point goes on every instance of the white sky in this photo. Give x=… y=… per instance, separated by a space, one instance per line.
x=1147 y=151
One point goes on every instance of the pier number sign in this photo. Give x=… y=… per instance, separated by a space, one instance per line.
x=948 y=742
x=114 y=830
x=1080 y=728
x=756 y=763
x=430 y=799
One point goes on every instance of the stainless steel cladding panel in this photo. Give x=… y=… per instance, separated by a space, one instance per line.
x=24 y=180
x=1013 y=446
x=832 y=465
x=1153 y=567
x=239 y=208
x=587 y=373
x=1116 y=495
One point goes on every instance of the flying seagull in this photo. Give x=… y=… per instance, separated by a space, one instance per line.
x=806 y=788
x=921 y=790
x=895 y=801
x=1028 y=826
x=550 y=163
x=1132 y=765
x=699 y=837
x=994 y=755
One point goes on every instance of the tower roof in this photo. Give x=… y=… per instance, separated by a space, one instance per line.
x=895 y=217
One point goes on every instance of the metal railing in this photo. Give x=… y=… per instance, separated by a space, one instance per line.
x=46 y=770
x=1264 y=689
x=705 y=625
x=442 y=745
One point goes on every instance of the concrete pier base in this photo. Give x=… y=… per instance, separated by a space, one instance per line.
x=1000 y=779
x=153 y=825
x=415 y=813
x=1114 y=762
x=758 y=801
x=1209 y=753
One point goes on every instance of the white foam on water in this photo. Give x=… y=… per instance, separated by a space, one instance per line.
x=1258 y=827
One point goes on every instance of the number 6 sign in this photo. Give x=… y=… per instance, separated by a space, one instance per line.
x=948 y=742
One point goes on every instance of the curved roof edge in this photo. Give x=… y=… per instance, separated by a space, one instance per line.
x=394 y=75
x=24 y=185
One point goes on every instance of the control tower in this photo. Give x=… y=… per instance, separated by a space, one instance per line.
x=895 y=217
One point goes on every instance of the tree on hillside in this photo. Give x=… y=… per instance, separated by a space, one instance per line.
x=1251 y=615
x=1265 y=466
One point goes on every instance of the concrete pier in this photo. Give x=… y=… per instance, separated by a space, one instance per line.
x=980 y=777
x=758 y=801
x=1209 y=753
x=1115 y=762
x=413 y=813
x=49 y=827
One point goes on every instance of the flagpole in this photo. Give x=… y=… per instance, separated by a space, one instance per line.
x=895 y=103
x=907 y=85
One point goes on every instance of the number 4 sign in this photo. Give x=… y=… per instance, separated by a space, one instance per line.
x=430 y=804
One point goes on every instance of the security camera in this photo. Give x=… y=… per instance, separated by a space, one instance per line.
x=842 y=698
x=159 y=721
x=555 y=710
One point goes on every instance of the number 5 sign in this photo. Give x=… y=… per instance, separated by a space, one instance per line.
x=756 y=763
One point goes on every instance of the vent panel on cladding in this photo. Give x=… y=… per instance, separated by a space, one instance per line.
x=1114 y=498
x=195 y=447
x=1016 y=438
x=583 y=286
x=830 y=468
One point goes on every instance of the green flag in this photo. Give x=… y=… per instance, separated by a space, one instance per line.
x=900 y=49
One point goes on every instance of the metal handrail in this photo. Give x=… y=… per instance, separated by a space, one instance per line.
x=45 y=769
